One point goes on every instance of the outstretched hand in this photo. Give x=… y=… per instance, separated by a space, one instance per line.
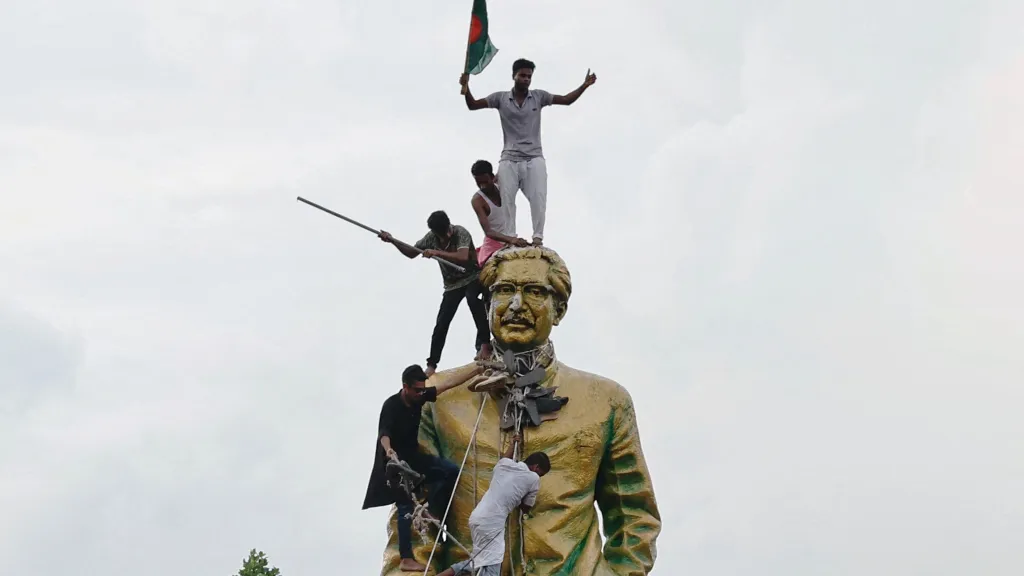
x=385 y=236
x=464 y=82
x=589 y=79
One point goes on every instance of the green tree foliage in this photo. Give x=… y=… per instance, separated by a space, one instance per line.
x=257 y=565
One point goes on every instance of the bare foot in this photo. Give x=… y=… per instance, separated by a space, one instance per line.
x=411 y=565
x=430 y=372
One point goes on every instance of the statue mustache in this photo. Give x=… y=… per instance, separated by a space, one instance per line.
x=516 y=318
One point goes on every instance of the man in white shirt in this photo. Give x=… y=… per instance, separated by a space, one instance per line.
x=513 y=485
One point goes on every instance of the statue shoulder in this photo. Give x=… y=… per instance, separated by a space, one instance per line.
x=593 y=384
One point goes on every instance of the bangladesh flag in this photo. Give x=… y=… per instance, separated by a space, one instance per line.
x=480 y=51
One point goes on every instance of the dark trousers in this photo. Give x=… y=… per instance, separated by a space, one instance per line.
x=439 y=480
x=449 y=305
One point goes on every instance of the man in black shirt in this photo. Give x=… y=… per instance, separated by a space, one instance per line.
x=398 y=438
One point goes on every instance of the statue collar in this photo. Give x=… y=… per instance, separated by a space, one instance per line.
x=528 y=401
x=542 y=356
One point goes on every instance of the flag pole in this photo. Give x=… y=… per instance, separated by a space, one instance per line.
x=465 y=62
x=377 y=232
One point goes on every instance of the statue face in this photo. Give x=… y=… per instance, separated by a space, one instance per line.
x=523 y=305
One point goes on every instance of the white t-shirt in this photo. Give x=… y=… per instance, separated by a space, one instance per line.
x=512 y=484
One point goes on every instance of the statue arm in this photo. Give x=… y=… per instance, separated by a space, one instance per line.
x=428 y=444
x=625 y=496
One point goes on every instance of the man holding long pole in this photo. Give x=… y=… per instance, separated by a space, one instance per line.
x=453 y=243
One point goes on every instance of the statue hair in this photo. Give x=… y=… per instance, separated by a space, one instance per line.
x=558 y=273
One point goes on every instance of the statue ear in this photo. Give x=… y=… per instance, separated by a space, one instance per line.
x=561 y=308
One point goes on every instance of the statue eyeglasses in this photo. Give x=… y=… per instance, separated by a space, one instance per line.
x=531 y=292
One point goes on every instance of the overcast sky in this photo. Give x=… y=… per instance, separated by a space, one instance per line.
x=794 y=230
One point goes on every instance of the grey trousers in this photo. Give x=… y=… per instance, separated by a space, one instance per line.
x=463 y=568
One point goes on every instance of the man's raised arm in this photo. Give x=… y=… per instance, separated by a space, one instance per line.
x=568 y=99
x=471 y=103
x=454 y=378
x=511 y=451
x=625 y=496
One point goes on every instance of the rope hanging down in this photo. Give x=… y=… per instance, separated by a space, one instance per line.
x=472 y=442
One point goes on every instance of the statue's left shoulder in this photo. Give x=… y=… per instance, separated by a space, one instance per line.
x=594 y=385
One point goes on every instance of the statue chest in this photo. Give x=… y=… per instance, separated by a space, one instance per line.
x=575 y=441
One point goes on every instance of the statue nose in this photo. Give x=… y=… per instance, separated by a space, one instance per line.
x=516 y=303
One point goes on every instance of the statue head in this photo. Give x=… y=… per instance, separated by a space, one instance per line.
x=530 y=289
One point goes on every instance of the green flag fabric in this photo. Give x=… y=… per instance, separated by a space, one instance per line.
x=480 y=51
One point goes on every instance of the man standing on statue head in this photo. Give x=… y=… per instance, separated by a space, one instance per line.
x=522 y=166
x=397 y=439
x=453 y=243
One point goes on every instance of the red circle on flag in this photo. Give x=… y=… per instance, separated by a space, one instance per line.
x=475 y=28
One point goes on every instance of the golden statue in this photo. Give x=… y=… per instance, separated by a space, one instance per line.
x=592 y=441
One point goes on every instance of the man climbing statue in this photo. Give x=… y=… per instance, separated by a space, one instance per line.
x=513 y=485
x=522 y=166
x=398 y=439
x=453 y=243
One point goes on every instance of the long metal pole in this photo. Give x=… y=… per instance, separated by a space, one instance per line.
x=377 y=232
